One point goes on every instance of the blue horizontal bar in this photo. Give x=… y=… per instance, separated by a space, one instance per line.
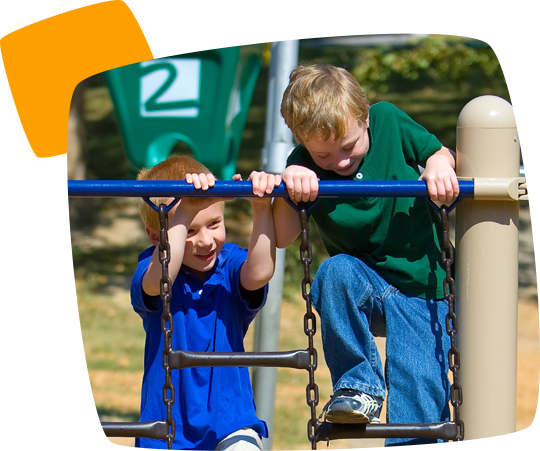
x=161 y=188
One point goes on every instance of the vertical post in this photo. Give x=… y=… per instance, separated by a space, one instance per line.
x=487 y=271
x=278 y=144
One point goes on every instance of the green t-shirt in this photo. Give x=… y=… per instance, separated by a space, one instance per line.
x=398 y=237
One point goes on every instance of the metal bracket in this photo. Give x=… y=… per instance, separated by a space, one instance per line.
x=155 y=207
x=531 y=190
x=309 y=205
x=499 y=189
x=502 y=189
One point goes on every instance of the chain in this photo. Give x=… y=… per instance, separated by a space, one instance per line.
x=447 y=253
x=310 y=324
x=166 y=320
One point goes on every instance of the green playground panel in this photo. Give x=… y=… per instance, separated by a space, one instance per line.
x=201 y=99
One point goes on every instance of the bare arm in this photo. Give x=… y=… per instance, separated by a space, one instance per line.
x=178 y=230
x=179 y=225
x=440 y=175
x=302 y=185
x=286 y=223
x=260 y=264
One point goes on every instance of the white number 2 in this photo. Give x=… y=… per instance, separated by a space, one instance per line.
x=170 y=87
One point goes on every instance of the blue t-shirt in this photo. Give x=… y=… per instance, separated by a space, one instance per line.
x=209 y=316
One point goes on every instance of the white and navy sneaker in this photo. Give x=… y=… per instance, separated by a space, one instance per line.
x=352 y=407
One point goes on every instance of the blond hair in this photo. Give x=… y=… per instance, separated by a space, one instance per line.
x=319 y=101
x=173 y=168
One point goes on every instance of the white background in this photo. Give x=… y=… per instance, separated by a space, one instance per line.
x=33 y=293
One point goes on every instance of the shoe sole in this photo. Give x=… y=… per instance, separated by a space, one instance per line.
x=349 y=418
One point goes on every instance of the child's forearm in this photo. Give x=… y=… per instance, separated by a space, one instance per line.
x=447 y=153
x=286 y=223
x=177 y=235
x=440 y=175
x=260 y=264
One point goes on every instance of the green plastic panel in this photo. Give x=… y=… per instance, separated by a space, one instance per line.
x=201 y=99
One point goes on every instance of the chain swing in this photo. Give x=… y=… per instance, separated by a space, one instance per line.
x=294 y=359
x=318 y=431
x=165 y=289
x=312 y=391
x=299 y=359
x=447 y=255
x=310 y=323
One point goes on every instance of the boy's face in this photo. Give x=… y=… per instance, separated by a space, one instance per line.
x=344 y=155
x=205 y=240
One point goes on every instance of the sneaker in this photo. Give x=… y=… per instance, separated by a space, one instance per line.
x=351 y=406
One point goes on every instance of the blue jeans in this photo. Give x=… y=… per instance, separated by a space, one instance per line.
x=355 y=304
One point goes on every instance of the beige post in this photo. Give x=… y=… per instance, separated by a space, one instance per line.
x=487 y=270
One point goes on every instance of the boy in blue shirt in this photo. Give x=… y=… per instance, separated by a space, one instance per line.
x=217 y=289
x=384 y=276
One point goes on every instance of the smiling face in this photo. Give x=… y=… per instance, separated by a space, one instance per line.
x=343 y=155
x=205 y=240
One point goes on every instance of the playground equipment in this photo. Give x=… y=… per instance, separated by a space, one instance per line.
x=200 y=99
x=299 y=359
x=487 y=265
x=487 y=216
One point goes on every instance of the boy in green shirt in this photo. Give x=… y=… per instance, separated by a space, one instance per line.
x=384 y=275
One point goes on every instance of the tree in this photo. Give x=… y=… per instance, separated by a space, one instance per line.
x=432 y=59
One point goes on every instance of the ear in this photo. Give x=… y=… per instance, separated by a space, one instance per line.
x=367 y=119
x=153 y=236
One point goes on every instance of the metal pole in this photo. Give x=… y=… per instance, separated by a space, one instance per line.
x=489 y=189
x=278 y=144
x=487 y=271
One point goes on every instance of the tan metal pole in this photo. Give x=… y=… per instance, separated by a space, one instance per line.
x=487 y=271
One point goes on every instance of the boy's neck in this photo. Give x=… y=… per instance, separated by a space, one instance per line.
x=201 y=275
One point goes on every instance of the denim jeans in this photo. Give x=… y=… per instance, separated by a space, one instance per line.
x=355 y=304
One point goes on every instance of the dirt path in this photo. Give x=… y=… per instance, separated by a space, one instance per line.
x=528 y=364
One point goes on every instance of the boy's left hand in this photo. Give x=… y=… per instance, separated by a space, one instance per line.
x=263 y=183
x=440 y=176
x=203 y=182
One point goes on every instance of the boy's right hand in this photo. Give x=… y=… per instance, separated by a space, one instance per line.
x=263 y=183
x=302 y=183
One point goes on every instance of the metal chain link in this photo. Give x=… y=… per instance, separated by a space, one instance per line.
x=310 y=323
x=447 y=253
x=166 y=320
